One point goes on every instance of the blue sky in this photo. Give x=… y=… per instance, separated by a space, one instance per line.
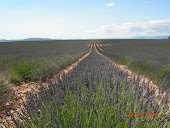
x=83 y=19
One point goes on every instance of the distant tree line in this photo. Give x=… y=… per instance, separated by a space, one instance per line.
x=169 y=37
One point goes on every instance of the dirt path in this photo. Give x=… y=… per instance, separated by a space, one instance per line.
x=99 y=47
x=18 y=93
x=132 y=75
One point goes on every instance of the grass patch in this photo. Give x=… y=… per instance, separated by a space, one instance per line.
x=3 y=88
x=148 y=68
x=31 y=69
x=163 y=72
x=24 y=69
x=123 y=60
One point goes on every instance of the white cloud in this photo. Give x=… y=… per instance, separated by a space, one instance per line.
x=110 y=4
x=131 y=29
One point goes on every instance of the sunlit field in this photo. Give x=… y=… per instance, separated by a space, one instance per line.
x=96 y=92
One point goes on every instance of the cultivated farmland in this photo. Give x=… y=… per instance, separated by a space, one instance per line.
x=18 y=58
x=151 y=57
x=95 y=93
x=28 y=61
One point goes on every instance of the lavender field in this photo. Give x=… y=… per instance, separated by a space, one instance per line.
x=150 y=56
x=84 y=64
x=95 y=94
x=26 y=61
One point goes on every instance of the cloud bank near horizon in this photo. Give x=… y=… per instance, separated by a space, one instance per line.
x=125 y=30
x=131 y=29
